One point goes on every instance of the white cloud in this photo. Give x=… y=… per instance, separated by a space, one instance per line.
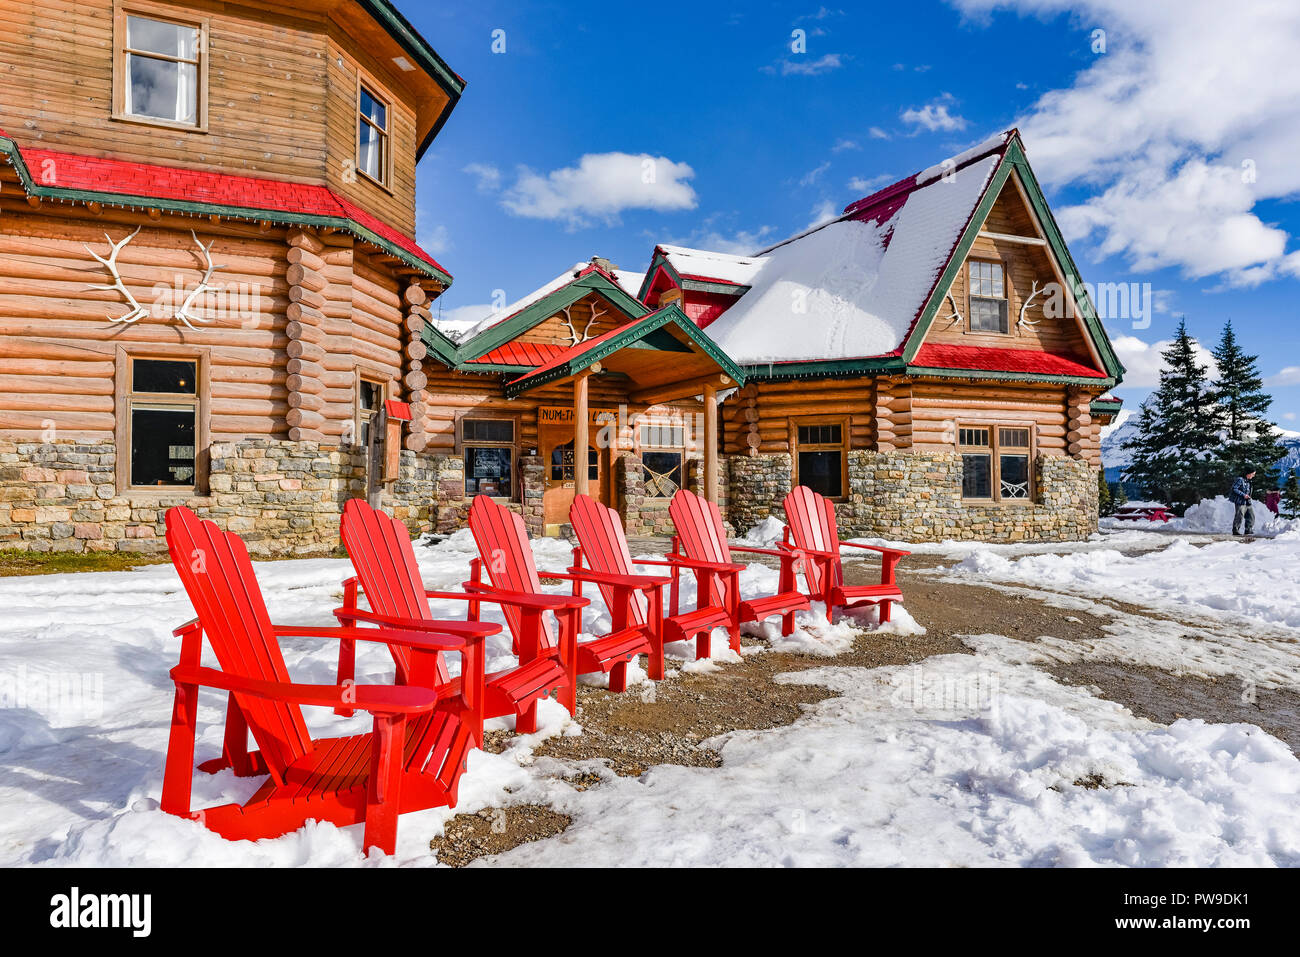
x=823 y=212
x=600 y=187
x=934 y=117
x=436 y=240
x=877 y=133
x=1142 y=362
x=1288 y=376
x=487 y=176
x=1188 y=120
x=843 y=144
x=867 y=186
x=813 y=175
x=742 y=242
x=823 y=64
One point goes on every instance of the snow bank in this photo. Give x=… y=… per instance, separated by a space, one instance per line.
x=1216 y=514
x=1254 y=581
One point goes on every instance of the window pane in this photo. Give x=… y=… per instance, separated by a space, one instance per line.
x=663 y=435
x=162 y=446
x=820 y=471
x=488 y=471
x=663 y=473
x=1015 y=476
x=169 y=39
x=976 y=476
x=157 y=375
x=371 y=159
x=988 y=315
x=986 y=279
x=1013 y=438
x=976 y=437
x=562 y=463
x=373 y=110
x=161 y=89
x=369 y=397
x=820 y=434
x=488 y=430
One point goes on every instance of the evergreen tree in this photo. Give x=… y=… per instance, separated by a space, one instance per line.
x=1118 y=496
x=1248 y=437
x=1177 y=442
x=1291 y=497
x=1104 y=505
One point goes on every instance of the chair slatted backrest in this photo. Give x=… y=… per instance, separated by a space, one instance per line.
x=218 y=576
x=502 y=540
x=811 y=520
x=384 y=560
x=600 y=533
x=699 y=527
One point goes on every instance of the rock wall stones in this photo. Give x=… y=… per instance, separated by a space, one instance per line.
x=281 y=497
x=916 y=496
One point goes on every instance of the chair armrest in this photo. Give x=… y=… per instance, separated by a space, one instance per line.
x=465 y=629
x=774 y=552
x=723 y=567
x=877 y=548
x=410 y=639
x=377 y=699
x=480 y=592
x=638 y=582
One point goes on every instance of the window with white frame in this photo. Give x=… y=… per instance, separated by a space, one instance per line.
x=372 y=134
x=988 y=297
x=160 y=63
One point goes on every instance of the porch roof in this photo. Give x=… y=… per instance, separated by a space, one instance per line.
x=658 y=351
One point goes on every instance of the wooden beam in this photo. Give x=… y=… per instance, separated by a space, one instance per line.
x=680 y=390
x=1011 y=238
x=580 y=430
x=710 y=444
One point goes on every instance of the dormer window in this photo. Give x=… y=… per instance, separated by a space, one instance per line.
x=160 y=70
x=988 y=297
x=372 y=135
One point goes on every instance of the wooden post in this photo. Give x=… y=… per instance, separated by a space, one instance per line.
x=711 y=444
x=580 y=428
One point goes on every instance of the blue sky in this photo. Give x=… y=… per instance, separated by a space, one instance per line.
x=1166 y=142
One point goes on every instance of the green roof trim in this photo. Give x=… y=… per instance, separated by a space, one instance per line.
x=547 y=306
x=945 y=373
x=659 y=260
x=1014 y=160
x=1107 y=406
x=721 y=288
x=9 y=148
x=409 y=39
x=440 y=347
x=671 y=314
x=825 y=368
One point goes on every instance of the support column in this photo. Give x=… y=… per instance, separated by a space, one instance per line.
x=580 y=433
x=711 y=443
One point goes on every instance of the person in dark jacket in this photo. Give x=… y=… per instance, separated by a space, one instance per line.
x=1240 y=497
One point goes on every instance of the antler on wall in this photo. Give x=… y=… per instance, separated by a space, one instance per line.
x=137 y=311
x=956 y=316
x=566 y=315
x=183 y=313
x=1034 y=292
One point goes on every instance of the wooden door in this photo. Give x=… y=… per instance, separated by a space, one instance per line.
x=560 y=486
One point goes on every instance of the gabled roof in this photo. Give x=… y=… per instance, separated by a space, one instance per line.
x=78 y=178
x=699 y=270
x=629 y=335
x=858 y=293
x=506 y=324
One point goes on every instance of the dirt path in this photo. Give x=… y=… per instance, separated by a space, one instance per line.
x=666 y=723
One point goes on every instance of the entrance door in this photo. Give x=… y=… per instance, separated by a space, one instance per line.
x=371 y=438
x=561 y=479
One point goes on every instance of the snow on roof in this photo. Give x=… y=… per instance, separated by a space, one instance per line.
x=705 y=264
x=627 y=280
x=853 y=287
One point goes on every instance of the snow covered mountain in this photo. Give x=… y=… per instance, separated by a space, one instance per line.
x=1292 y=461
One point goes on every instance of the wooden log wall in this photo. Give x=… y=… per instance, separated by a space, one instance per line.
x=306 y=332
x=414 y=352
x=756 y=420
x=893 y=427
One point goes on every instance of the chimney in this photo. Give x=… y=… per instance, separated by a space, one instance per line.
x=603 y=264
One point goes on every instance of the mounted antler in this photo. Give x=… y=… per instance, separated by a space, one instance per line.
x=956 y=316
x=579 y=338
x=183 y=313
x=1034 y=292
x=137 y=311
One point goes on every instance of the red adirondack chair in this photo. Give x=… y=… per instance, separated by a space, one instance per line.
x=386 y=570
x=412 y=760
x=701 y=544
x=639 y=598
x=810 y=522
x=502 y=541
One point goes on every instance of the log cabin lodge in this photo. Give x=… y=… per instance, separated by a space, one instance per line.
x=210 y=295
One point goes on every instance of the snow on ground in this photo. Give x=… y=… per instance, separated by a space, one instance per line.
x=963 y=759
x=1255 y=582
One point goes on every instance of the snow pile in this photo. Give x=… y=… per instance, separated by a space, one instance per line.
x=852 y=288
x=765 y=534
x=1254 y=581
x=1216 y=514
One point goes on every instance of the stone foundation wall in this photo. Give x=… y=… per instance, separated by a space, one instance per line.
x=281 y=497
x=916 y=496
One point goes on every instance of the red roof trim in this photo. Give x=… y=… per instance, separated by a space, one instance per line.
x=73 y=171
x=988 y=359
